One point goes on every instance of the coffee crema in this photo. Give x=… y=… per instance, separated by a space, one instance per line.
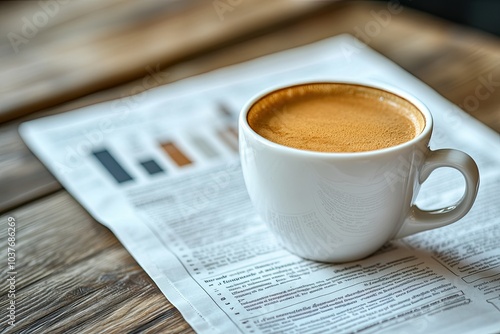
x=335 y=117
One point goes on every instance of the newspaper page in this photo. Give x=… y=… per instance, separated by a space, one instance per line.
x=161 y=170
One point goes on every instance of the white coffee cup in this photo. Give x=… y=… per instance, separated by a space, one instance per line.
x=338 y=207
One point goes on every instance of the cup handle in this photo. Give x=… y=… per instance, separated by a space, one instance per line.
x=419 y=220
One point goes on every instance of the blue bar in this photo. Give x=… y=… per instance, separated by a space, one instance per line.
x=151 y=167
x=112 y=166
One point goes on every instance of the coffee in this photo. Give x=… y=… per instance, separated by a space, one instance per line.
x=338 y=207
x=332 y=117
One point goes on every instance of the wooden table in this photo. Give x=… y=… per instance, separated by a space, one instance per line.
x=72 y=273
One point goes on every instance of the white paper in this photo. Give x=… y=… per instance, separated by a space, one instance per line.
x=194 y=231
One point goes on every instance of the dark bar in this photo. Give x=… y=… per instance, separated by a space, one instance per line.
x=225 y=110
x=151 y=167
x=112 y=166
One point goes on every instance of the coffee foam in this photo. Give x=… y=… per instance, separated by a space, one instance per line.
x=329 y=117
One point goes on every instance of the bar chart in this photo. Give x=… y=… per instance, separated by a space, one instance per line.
x=165 y=156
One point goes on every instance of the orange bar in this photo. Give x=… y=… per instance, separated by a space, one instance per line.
x=173 y=151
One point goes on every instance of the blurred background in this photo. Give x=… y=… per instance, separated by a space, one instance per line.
x=480 y=14
x=54 y=51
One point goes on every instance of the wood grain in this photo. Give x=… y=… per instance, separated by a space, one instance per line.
x=90 y=45
x=75 y=277
x=22 y=178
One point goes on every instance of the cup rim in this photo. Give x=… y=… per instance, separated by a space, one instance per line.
x=243 y=120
